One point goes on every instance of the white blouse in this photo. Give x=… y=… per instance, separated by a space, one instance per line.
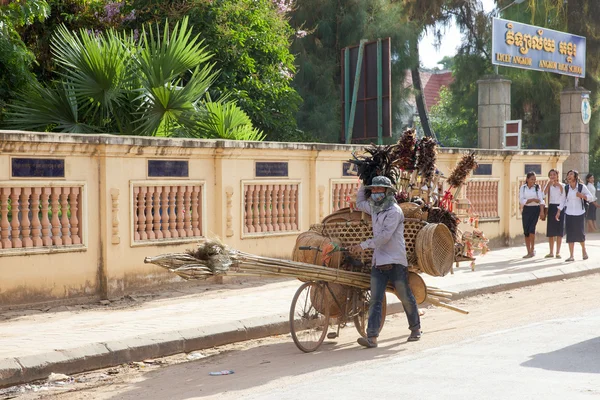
x=556 y=196
x=526 y=193
x=573 y=204
x=592 y=190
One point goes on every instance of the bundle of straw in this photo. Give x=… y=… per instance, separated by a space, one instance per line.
x=213 y=258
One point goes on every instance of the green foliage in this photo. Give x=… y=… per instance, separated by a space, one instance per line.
x=110 y=82
x=227 y=121
x=326 y=28
x=454 y=124
x=15 y=57
x=250 y=41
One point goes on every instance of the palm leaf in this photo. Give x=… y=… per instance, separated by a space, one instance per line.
x=227 y=121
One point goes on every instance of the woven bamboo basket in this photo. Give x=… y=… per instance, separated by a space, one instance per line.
x=354 y=232
x=418 y=287
x=345 y=215
x=435 y=249
x=411 y=210
x=323 y=298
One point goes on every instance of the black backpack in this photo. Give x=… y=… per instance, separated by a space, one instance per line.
x=584 y=202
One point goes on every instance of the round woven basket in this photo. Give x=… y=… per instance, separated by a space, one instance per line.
x=314 y=239
x=418 y=287
x=345 y=215
x=323 y=298
x=435 y=249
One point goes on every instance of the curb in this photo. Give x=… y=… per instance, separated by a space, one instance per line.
x=19 y=370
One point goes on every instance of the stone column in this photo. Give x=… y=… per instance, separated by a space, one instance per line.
x=574 y=134
x=493 y=111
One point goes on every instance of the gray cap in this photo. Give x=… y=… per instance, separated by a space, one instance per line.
x=381 y=181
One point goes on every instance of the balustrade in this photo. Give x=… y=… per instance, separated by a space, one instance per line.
x=167 y=212
x=37 y=217
x=341 y=193
x=270 y=208
x=483 y=196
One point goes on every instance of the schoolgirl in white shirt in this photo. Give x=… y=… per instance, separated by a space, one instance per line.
x=575 y=195
x=555 y=228
x=591 y=212
x=531 y=198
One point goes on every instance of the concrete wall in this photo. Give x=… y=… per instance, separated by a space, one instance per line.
x=109 y=262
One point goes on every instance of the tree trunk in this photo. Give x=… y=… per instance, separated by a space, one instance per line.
x=418 y=87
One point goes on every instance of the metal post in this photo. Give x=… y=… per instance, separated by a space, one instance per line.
x=361 y=49
x=379 y=94
x=347 y=93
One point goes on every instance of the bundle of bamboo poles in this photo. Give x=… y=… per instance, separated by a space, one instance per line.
x=213 y=258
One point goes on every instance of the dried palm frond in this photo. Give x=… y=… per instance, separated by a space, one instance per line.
x=376 y=161
x=443 y=216
x=405 y=152
x=427 y=148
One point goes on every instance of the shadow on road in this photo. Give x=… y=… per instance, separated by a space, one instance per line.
x=253 y=367
x=581 y=357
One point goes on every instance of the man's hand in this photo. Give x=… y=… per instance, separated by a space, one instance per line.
x=356 y=250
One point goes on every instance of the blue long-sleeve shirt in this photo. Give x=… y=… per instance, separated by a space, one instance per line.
x=388 y=232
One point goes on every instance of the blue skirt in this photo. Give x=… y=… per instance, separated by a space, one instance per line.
x=555 y=228
x=530 y=216
x=575 y=227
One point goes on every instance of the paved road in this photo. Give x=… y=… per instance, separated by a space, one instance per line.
x=541 y=342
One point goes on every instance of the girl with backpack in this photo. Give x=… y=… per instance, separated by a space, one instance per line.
x=555 y=228
x=576 y=194
x=531 y=198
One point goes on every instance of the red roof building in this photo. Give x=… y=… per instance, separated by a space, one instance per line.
x=432 y=85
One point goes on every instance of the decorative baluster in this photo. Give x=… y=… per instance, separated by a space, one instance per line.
x=269 y=206
x=275 y=202
x=293 y=207
x=141 y=209
x=172 y=215
x=321 y=202
x=195 y=215
x=25 y=224
x=4 y=224
x=15 y=223
x=74 y=201
x=180 y=210
x=36 y=225
x=149 y=214
x=200 y=191
x=187 y=217
x=288 y=225
x=157 y=212
x=262 y=207
x=136 y=218
x=46 y=238
x=54 y=196
x=336 y=197
x=64 y=220
x=114 y=197
x=165 y=218
x=229 y=217
x=281 y=205
x=495 y=212
x=256 y=208
x=485 y=200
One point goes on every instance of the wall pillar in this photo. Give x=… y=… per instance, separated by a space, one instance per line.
x=574 y=134
x=493 y=111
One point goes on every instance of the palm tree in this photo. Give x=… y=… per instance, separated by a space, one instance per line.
x=111 y=82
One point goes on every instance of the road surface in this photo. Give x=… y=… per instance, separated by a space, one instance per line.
x=541 y=342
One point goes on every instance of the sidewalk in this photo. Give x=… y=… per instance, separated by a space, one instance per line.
x=33 y=346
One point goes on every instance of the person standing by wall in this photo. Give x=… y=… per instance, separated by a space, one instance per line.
x=531 y=199
x=555 y=228
x=389 y=263
x=576 y=194
x=591 y=212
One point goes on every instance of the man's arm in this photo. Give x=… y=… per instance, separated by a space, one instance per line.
x=362 y=203
x=390 y=224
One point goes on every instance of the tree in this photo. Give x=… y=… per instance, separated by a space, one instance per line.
x=15 y=57
x=111 y=82
x=324 y=29
x=454 y=125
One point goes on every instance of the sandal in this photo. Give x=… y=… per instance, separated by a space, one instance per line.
x=414 y=336
x=585 y=256
x=558 y=256
x=529 y=255
x=549 y=255
x=366 y=342
x=569 y=259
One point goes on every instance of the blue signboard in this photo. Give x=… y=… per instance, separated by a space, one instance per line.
x=531 y=47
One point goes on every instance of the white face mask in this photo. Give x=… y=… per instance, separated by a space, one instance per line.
x=377 y=196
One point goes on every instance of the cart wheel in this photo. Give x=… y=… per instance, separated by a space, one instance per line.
x=362 y=318
x=308 y=325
